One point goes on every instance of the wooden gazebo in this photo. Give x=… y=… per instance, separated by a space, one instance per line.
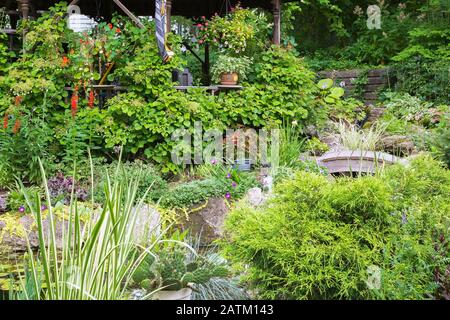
x=104 y=8
x=30 y=9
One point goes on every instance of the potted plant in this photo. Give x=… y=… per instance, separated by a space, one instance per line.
x=230 y=70
x=171 y=272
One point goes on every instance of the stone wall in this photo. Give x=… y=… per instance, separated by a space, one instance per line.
x=377 y=79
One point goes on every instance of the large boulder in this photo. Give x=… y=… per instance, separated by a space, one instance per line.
x=205 y=221
x=148 y=222
x=14 y=231
x=374 y=114
x=397 y=144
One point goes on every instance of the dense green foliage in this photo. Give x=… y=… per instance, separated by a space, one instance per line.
x=37 y=106
x=280 y=87
x=323 y=240
x=197 y=191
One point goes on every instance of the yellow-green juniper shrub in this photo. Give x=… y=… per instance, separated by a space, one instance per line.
x=319 y=239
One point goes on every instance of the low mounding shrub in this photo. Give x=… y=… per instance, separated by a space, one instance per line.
x=197 y=191
x=150 y=182
x=366 y=238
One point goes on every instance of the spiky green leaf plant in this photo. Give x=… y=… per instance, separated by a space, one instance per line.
x=94 y=259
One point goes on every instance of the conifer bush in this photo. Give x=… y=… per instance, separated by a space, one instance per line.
x=323 y=239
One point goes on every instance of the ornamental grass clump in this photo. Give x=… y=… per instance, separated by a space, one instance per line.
x=93 y=259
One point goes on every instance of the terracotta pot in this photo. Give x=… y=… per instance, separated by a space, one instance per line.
x=183 y=294
x=229 y=79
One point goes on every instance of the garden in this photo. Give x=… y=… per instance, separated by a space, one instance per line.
x=299 y=152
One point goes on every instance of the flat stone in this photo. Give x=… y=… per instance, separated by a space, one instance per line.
x=333 y=141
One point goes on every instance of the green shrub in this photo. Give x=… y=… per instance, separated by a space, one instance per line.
x=319 y=239
x=149 y=179
x=197 y=191
x=280 y=87
x=424 y=78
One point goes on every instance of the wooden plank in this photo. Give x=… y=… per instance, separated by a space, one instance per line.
x=377 y=80
x=196 y=87
x=370 y=96
x=358 y=154
x=355 y=161
x=373 y=87
x=135 y=19
x=8 y=31
x=377 y=72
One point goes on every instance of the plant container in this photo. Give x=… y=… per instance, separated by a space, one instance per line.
x=229 y=79
x=243 y=165
x=183 y=294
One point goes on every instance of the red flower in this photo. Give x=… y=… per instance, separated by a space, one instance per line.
x=118 y=30
x=18 y=100
x=16 y=127
x=91 y=99
x=5 y=121
x=110 y=26
x=74 y=104
x=199 y=25
x=200 y=41
x=65 y=61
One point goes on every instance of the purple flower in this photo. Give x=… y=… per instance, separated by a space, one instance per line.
x=213 y=161
x=229 y=175
x=234 y=184
x=228 y=196
x=43 y=207
x=22 y=209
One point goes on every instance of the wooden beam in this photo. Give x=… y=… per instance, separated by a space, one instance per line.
x=276 y=22
x=129 y=14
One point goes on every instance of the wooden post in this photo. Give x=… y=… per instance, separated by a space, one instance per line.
x=169 y=16
x=24 y=6
x=276 y=22
x=206 y=67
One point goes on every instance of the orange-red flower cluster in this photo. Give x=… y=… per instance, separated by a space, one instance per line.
x=74 y=104
x=18 y=100
x=16 y=127
x=5 y=121
x=65 y=62
x=91 y=99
